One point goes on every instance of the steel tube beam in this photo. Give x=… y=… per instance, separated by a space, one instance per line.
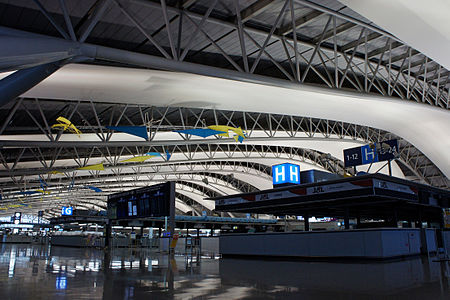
x=21 y=81
x=100 y=144
x=17 y=52
x=345 y=17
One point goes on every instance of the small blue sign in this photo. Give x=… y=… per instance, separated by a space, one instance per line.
x=286 y=173
x=369 y=154
x=67 y=211
x=61 y=282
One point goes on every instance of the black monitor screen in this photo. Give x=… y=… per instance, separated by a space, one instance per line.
x=151 y=201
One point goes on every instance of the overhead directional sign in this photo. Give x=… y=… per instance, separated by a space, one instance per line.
x=352 y=157
x=66 y=211
x=286 y=173
x=369 y=154
x=387 y=150
x=372 y=153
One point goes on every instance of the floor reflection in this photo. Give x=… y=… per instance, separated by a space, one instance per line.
x=37 y=272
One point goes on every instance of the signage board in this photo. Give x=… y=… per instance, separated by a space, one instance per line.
x=372 y=153
x=352 y=157
x=343 y=188
x=285 y=173
x=369 y=154
x=17 y=218
x=387 y=150
x=67 y=211
x=151 y=201
x=61 y=282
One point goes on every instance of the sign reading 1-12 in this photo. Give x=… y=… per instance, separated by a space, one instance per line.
x=352 y=157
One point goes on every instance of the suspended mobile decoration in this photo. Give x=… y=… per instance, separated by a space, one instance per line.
x=137 y=158
x=95 y=189
x=220 y=130
x=66 y=125
x=140 y=131
x=96 y=167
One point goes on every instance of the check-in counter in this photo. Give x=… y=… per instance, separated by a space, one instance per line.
x=207 y=245
x=16 y=239
x=378 y=243
x=446 y=238
x=120 y=241
x=78 y=240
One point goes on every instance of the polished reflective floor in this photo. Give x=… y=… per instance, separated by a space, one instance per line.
x=38 y=272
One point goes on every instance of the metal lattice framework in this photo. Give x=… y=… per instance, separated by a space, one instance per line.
x=30 y=150
x=273 y=41
x=297 y=40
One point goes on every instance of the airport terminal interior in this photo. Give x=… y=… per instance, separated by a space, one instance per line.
x=224 y=149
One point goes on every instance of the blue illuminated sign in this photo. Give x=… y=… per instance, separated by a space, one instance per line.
x=369 y=154
x=66 y=211
x=61 y=282
x=286 y=173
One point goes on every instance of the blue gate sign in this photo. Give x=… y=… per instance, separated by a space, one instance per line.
x=369 y=154
x=352 y=157
x=66 y=211
x=372 y=153
x=286 y=173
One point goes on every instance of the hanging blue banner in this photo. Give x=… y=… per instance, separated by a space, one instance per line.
x=140 y=131
x=202 y=132
x=95 y=189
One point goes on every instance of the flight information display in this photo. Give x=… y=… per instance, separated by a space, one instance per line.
x=151 y=201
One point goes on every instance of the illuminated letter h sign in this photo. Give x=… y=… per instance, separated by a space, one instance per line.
x=285 y=173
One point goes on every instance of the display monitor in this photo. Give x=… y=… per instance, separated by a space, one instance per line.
x=150 y=201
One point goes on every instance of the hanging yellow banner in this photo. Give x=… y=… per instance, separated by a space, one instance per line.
x=55 y=172
x=43 y=192
x=97 y=167
x=138 y=158
x=65 y=124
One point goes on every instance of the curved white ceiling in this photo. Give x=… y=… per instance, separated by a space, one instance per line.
x=424 y=126
x=424 y=25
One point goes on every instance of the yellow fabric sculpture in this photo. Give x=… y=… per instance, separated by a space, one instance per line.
x=97 y=167
x=237 y=130
x=66 y=125
x=138 y=158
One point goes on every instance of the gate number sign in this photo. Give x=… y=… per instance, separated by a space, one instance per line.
x=66 y=211
x=368 y=154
